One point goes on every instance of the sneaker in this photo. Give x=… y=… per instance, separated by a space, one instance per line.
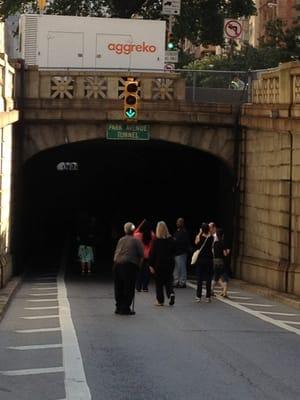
x=198 y=299
x=159 y=304
x=129 y=312
x=208 y=300
x=172 y=299
x=145 y=290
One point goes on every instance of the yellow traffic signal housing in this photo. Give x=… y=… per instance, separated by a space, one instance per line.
x=41 y=4
x=170 y=41
x=131 y=99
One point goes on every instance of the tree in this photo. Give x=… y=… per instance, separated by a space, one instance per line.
x=278 y=35
x=201 y=21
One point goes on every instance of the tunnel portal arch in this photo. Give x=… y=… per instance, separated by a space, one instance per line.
x=216 y=140
x=120 y=181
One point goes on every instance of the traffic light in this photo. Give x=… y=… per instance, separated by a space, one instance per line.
x=170 y=41
x=41 y=4
x=131 y=98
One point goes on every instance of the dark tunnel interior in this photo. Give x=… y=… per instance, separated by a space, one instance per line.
x=116 y=182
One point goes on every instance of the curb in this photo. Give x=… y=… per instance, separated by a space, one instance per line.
x=285 y=298
x=7 y=293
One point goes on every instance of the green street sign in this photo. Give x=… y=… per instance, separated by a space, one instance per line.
x=130 y=113
x=119 y=131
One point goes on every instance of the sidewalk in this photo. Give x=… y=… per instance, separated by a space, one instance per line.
x=288 y=299
x=7 y=292
x=285 y=298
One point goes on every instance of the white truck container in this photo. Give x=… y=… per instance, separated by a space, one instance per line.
x=53 y=41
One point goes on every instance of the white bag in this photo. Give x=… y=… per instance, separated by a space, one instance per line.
x=195 y=256
x=197 y=252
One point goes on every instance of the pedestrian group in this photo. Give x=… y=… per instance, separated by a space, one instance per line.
x=141 y=252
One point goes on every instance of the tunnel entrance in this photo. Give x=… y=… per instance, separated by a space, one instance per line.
x=117 y=182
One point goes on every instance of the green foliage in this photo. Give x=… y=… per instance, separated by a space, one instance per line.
x=278 y=35
x=76 y=7
x=249 y=58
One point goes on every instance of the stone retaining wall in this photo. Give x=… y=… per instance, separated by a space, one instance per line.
x=270 y=182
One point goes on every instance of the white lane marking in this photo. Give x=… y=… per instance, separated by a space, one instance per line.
x=279 y=313
x=41 y=317
x=35 y=371
x=76 y=386
x=220 y=291
x=38 y=330
x=240 y=298
x=256 y=304
x=43 y=294
x=45 y=279
x=45 y=288
x=255 y=313
x=41 y=308
x=36 y=347
x=39 y=300
x=291 y=322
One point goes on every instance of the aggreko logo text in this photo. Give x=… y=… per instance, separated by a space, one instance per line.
x=127 y=48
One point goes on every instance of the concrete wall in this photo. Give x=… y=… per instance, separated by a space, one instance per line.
x=270 y=182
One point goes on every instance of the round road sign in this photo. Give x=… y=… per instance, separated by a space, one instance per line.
x=169 y=67
x=232 y=28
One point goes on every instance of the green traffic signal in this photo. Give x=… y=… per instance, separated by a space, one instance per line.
x=130 y=113
x=170 y=41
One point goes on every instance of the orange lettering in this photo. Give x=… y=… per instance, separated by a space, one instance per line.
x=127 y=48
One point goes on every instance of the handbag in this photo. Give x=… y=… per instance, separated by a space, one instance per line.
x=197 y=252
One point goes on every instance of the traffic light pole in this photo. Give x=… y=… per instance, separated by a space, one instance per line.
x=170 y=26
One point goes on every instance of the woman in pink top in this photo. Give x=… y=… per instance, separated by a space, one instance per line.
x=146 y=235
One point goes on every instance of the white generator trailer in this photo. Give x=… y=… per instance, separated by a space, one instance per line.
x=52 y=41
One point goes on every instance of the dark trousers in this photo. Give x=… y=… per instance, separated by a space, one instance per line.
x=162 y=282
x=143 y=276
x=124 y=276
x=204 y=271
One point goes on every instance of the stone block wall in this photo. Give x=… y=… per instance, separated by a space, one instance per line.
x=269 y=242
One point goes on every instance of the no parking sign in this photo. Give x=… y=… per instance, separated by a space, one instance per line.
x=232 y=29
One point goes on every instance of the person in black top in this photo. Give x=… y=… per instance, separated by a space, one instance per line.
x=161 y=262
x=182 y=249
x=220 y=252
x=204 y=264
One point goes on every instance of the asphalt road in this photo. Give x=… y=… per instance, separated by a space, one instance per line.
x=62 y=341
